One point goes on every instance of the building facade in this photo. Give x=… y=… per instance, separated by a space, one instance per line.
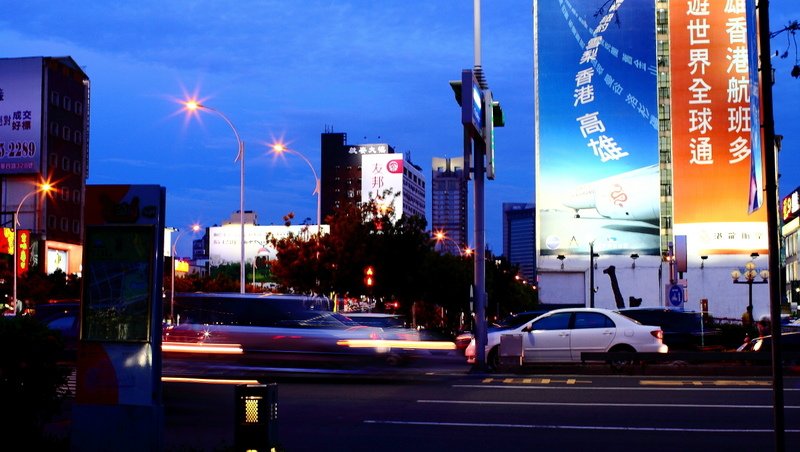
x=44 y=126
x=449 y=197
x=519 y=230
x=357 y=173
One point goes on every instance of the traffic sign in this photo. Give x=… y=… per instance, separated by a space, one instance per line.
x=676 y=296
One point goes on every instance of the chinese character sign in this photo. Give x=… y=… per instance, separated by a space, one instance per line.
x=20 y=115
x=596 y=127
x=23 y=251
x=382 y=174
x=713 y=164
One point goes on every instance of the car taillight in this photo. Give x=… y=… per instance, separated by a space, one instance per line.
x=658 y=334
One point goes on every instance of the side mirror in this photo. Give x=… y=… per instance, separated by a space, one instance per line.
x=527 y=329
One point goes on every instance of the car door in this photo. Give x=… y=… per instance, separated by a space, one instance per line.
x=591 y=332
x=547 y=339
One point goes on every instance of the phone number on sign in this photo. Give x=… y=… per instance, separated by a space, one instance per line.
x=17 y=149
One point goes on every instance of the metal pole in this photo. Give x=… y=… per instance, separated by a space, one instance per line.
x=480 y=245
x=15 y=259
x=591 y=274
x=773 y=229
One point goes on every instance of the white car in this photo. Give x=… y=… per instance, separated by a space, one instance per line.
x=562 y=335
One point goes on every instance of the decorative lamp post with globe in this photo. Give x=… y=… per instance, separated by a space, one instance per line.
x=750 y=274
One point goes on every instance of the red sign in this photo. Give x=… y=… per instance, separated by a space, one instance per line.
x=6 y=240
x=23 y=250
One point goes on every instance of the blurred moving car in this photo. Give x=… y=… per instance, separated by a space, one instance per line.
x=683 y=330
x=790 y=344
x=272 y=329
x=562 y=335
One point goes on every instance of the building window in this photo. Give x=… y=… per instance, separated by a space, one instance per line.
x=65 y=194
x=76 y=196
x=65 y=163
x=76 y=167
x=54 y=128
x=54 y=98
x=78 y=107
x=66 y=133
x=65 y=224
x=77 y=137
x=67 y=103
x=53 y=159
x=76 y=226
x=51 y=221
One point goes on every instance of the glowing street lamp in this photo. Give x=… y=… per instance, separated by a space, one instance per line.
x=193 y=105
x=440 y=237
x=194 y=229
x=279 y=148
x=45 y=187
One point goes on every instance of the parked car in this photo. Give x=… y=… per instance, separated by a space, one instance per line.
x=512 y=321
x=63 y=317
x=562 y=335
x=683 y=330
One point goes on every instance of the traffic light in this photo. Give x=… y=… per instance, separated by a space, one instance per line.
x=369 y=276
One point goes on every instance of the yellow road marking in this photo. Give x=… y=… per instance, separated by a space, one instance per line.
x=534 y=381
x=704 y=383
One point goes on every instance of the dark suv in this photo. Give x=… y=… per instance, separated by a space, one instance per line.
x=683 y=330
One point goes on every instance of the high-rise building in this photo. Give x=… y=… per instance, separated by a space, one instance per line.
x=519 y=230
x=356 y=173
x=449 y=203
x=44 y=138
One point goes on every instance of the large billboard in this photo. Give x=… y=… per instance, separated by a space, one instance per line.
x=382 y=180
x=717 y=172
x=597 y=176
x=20 y=115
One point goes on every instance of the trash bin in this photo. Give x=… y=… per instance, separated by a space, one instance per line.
x=511 y=350
x=256 y=417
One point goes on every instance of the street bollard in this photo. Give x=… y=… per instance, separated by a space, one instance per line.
x=256 y=418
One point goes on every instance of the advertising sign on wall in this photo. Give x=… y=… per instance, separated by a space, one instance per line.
x=20 y=115
x=597 y=178
x=382 y=180
x=714 y=163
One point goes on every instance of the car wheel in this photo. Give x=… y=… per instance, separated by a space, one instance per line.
x=493 y=359
x=623 y=361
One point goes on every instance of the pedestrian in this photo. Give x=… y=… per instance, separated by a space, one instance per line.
x=763 y=327
x=747 y=323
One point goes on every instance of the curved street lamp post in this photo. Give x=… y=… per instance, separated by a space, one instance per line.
x=194 y=106
x=194 y=229
x=41 y=188
x=279 y=148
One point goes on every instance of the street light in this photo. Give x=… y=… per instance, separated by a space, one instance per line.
x=45 y=187
x=750 y=274
x=279 y=148
x=192 y=106
x=194 y=229
x=440 y=237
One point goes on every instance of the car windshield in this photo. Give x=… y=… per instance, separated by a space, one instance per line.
x=516 y=320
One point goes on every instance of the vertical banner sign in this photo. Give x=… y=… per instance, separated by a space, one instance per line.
x=597 y=176
x=23 y=251
x=382 y=175
x=716 y=166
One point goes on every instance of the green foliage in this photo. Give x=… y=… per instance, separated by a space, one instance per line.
x=406 y=267
x=31 y=380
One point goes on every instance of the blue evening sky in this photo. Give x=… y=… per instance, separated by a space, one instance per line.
x=375 y=70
